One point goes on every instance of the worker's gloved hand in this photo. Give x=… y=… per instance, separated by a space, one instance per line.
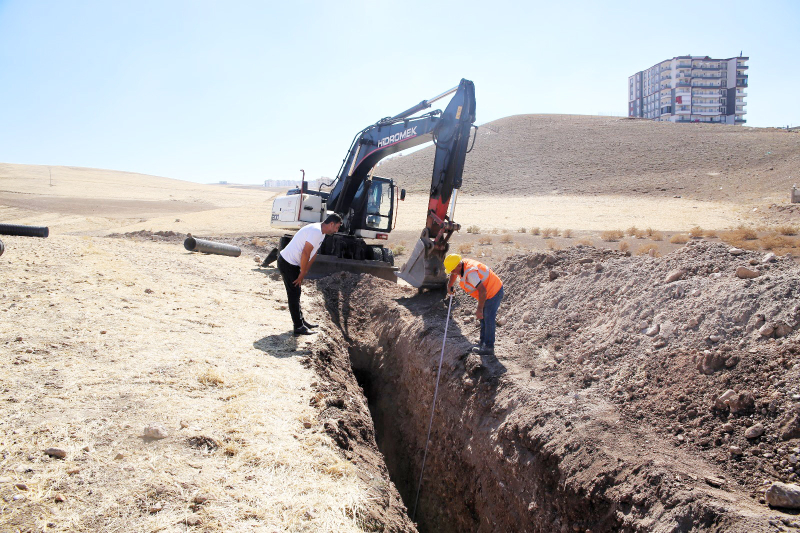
x=451 y=290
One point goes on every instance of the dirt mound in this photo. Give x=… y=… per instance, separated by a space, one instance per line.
x=629 y=393
x=532 y=155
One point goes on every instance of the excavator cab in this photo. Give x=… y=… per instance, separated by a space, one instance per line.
x=374 y=208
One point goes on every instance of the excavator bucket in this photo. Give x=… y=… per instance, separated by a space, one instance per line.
x=424 y=268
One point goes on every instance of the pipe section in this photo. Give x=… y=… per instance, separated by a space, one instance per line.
x=24 y=231
x=2 y=248
x=209 y=247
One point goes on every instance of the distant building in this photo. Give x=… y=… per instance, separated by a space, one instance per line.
x=691 y=89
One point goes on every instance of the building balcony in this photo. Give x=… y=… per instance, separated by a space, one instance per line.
x=682 y=83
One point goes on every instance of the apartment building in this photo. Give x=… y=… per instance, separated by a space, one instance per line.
x=691 y=89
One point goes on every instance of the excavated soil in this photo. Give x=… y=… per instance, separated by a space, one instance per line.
x=628 y=393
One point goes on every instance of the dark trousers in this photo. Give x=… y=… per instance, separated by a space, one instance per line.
x=289 y=273
x=489 y=320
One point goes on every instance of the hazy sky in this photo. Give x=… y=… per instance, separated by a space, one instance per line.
x=244 y=91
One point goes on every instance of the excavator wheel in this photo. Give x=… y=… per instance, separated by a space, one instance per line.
x=388 y=256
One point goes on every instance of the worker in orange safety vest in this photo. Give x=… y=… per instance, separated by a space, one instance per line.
x=481 y=283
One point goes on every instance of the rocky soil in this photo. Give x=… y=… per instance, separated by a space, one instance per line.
x=629 y=393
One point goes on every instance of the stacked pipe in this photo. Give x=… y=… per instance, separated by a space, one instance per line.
x=22 y=231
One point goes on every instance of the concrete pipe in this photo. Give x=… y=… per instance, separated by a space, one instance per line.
x=2 y=248
x=208 y=247
x=24 y=231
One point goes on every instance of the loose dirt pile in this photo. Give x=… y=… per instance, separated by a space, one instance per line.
x=534 y=155
x=628 y=393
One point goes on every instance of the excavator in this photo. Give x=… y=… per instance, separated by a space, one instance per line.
x=368 y=203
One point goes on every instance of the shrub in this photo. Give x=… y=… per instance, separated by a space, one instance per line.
x=679 y=238
x=612 y=235
x=586 y=242
x=486 y=240
x=535 y=231
x=398 y=250
x=696 y=232
x=465 y=248
x=657 y=236
x=473 y=229
x=711 y=234
x=624 y=246
x=506 y=238
x=747 y=234
x=567 y=233
x=521 y=230
x=648 y=249
x=632 y=231
x=787 y=230
x=493 y=231
x=547 y=233
x=553 y=245
x=775 y=242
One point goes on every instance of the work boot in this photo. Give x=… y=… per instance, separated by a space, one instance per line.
x=309 y=325
x=477 y=348
x=302 y=330
x=486 y=350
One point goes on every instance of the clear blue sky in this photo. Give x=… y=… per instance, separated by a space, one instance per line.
x=245 y=91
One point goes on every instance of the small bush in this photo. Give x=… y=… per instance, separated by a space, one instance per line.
x=786 y=230
x=696 y=232
x=506 y=238
x=547 y=233
x=493 y=231
x=486 y=240
x=567 y=234
x=632 y=231
x=465 y=248
x=747 y=234
x=521 y=230
x=711 y=234
x=648 y=249
x=612 y=235
x=657 y=236
x=553 y=245
x=624 y=246
x=775 y=242
x=398 y=250
x=679 y=238
x=650 y=232
x=473 y=229
x=534 y=231
x=586 y=242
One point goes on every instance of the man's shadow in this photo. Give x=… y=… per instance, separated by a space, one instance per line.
x=280 y=345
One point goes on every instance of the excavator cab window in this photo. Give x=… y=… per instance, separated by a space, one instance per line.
x=379 y=204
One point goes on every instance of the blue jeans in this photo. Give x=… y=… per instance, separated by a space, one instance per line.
x=489 y=321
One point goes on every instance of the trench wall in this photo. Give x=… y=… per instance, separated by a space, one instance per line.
x=506 y=453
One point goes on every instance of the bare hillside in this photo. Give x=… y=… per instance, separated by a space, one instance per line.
x=531 y=155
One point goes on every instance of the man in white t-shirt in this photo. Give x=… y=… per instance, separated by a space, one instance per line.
x=295 y=260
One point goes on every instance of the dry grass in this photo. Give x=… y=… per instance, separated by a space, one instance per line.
x=567 y=233
x=633 y=231
x=260 y=242
x=535 y=231
x=679 y=238
x=787 y=230
x=710 y=234
x=506 y=238
x=696 y=232
x=612 y=235
x=553 y=245
x=624 y=246
x=586 y=242
x=549 y=232
x=465 y=248
x=657 y=236
x=521 y=230
x=398 y=250
x=485 y=240
x=211 y=377
x=493 y=231
x=648 y=249
x=473 y=229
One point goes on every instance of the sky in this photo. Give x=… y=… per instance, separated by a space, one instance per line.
x=244 y=91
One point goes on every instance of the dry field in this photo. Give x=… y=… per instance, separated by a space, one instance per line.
x=104 y=337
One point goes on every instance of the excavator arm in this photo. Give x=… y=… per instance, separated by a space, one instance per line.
x=449 y=130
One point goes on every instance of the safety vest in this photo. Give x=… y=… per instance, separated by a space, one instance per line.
x=487 y=278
